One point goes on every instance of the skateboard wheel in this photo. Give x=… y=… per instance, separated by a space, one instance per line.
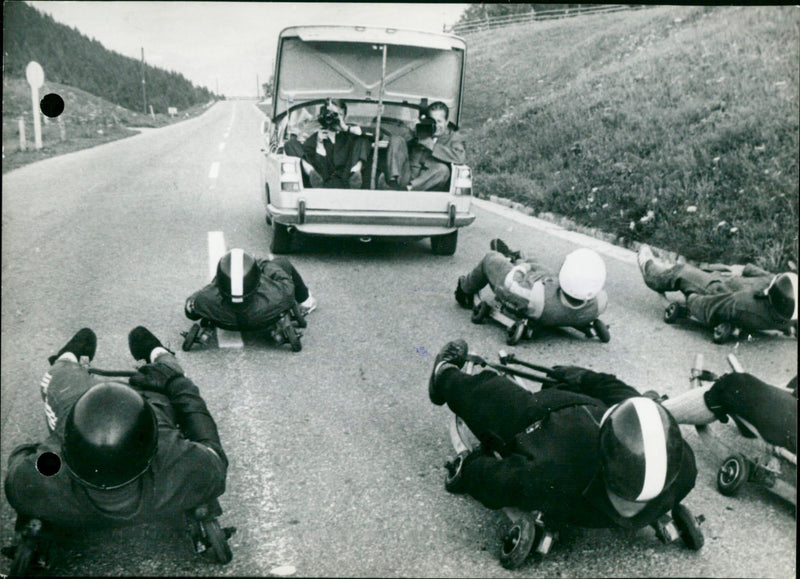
x=515 y=333
x=690 y=533
x=298 y=316
x=530 y=332
x=480 y=312
x=23 y=558
x=722 y=332
x=665 y=529
x=601 y=329
x=293 y=337
x=217 y=542
x=733 y=473
x=517 y=543
x=191 y=337
x=673 y=313
x=27 y=550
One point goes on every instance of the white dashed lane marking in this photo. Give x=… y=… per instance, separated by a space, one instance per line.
x=222 y=146
x=214 y=172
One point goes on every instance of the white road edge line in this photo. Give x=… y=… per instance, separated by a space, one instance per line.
x=214 y=172
x=600 y=246
x=216 y=249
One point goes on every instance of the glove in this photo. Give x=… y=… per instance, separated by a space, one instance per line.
x=569 y=375
x=154 y=378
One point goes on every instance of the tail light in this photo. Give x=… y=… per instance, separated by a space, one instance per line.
x=463 y=181
x=291 y=178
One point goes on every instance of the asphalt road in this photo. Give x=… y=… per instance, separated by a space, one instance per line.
x=336 y=452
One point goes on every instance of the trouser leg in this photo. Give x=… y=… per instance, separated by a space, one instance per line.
x=397 y=160
x=773 y=411
x=492 y=270
x=300 y=289
x=61 y=386
x=493 y=407
x=431 y=176
x=705 y=308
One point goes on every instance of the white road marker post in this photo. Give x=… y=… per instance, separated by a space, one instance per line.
x=34 y=73
x=23 y=143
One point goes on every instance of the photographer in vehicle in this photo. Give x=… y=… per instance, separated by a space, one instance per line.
x=334 y=156
x=423 y=163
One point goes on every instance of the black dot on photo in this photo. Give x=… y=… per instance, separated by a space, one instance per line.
x=52 y=105
x=48 y=463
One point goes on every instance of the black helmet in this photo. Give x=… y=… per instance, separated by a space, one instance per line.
x=782 y=295
x=238 y=275
x=641 y=449
x=110 y=436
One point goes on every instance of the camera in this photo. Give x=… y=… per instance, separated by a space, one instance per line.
x=328 y=119
x=426 y=127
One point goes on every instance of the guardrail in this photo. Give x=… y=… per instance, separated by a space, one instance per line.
x=533 y=16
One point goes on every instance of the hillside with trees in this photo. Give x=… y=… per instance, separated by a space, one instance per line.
x=70 y=58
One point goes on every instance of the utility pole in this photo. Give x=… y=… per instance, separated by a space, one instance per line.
x=144 y=87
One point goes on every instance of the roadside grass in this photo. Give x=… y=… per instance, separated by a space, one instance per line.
x=87 y=121
x=675 y=126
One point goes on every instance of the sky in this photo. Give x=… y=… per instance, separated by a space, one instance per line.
x=227 y=47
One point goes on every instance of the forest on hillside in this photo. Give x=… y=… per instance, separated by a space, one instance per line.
x=71 y=58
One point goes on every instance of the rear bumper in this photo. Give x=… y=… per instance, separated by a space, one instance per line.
x=339 y=222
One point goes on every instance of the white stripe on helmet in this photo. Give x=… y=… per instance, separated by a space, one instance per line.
x=237 y=275
x=654 y=444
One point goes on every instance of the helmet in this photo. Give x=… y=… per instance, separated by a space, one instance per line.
x=110 y=436
x=641 y=449
x=238 y=275
x=782 y=295
x=582 y=275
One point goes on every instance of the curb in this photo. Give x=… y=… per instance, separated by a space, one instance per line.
x=565 y=228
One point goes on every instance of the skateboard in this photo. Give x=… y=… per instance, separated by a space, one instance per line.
x=285 y=329
x=33 y=550
x=518 y=326
x=745 y=459
x=677 y=310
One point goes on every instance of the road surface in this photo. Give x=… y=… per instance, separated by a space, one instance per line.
x=336 y=452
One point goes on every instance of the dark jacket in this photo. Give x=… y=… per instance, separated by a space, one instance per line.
x=275 y=294
x=334 y=167
x=554 y=465
x=189 y=469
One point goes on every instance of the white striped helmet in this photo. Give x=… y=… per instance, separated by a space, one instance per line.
x=641 y=449
x=238 y=275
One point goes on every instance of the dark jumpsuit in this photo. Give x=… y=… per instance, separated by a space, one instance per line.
x=189 y=467
x=549 y=446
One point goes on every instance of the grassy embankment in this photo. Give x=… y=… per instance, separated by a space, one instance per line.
x=675 y=126
x=87 y=121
